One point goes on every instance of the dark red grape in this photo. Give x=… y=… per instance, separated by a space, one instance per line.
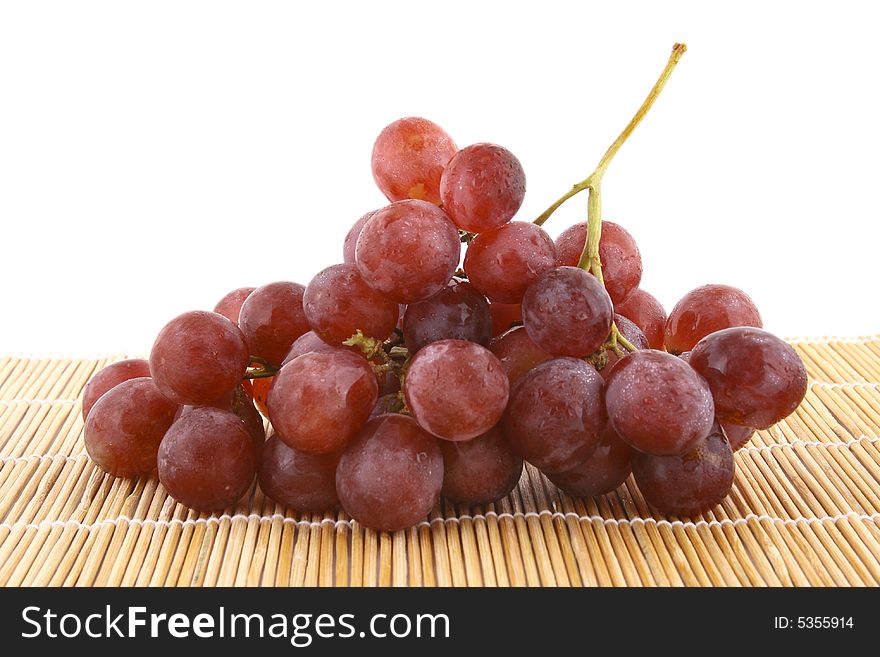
x=658 y=404
x=351 y=238
x=504 y=262
x=737 y=436
x=517 y=353
x=243 y=406
x=409 y=157
x=390 y=476
x=408 y=251
x=230 y=305
x=755 y=378
x=126 y=425
x=457 y=311
x=689 y=483
x=305 y=482
x=482 y=187
x=606 y=468
x=272 y=318
x=647 y=313
x=618 y=252
x=109 y=377
x=480 y=470
x=320 y=400
x=504 y=316
x=207 y=459
x=705 y=310
x=556 y=414
x=456 y=389
x=633 y=335
x=567 y=312
x=338 y=303
x=198 y=358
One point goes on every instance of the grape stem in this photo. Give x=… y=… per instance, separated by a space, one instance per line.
x=590 y=260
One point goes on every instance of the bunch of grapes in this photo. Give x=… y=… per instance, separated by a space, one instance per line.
x=406 y=372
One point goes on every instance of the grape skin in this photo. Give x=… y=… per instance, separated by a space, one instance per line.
x=567 y=312
x=756 y=378
x=658 y=404
x=647 y=313
x=555 y=415
x=503 y=263
x=198 y=357
x=319 y=401
x=408 y=251
x=482 y=187
x=304 y=482
x=457 y=311
x=517 y=353
x=480 y=470
x=338 y=303
x=409 y=156
x=109 y=377
x=618 y=253
x=125 y=426
x=705 y=310
x=689 y=483
x=604 y=470
x=351 y=238
x=456 y=389
x=390 y=476
x=737 y=436
x=504 y=316
x=230 y=305
x=271 y=318
x=207 y=460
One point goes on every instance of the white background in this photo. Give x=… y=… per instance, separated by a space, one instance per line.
x=154 y=155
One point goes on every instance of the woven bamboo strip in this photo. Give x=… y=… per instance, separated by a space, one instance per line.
x=805 y=510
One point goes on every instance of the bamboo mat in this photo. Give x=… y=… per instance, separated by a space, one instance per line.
x=805 y=510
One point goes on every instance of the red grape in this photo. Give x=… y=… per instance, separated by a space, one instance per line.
x=302 y=481
x=272 y=318
x=480 y=470
x=126 y=425
x=517 y=353
x=755 y=378
x=658 y=404
x=409 y=157
x=633 y=335
x=647 y=313
x=618 y=253
x=351 y=238
x=737 y=436
x=207 y=460
x=320 y=400
x=230 y=305
x=109 y=377
x=338 y=303
x=261 y=389
x=457 y=311
x=504 y=315
x=705 y=310
x=198 y=358
x=482 y=187
x=309 y=343
x=689 y=483
x=408 y=251
x=390 y=476
x=243 y=406
x=503 y=263
x=456 y=389
x=604 y=470
x=567 y=312
x=556 y=414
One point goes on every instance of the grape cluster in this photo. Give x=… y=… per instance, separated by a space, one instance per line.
x=406 y=373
